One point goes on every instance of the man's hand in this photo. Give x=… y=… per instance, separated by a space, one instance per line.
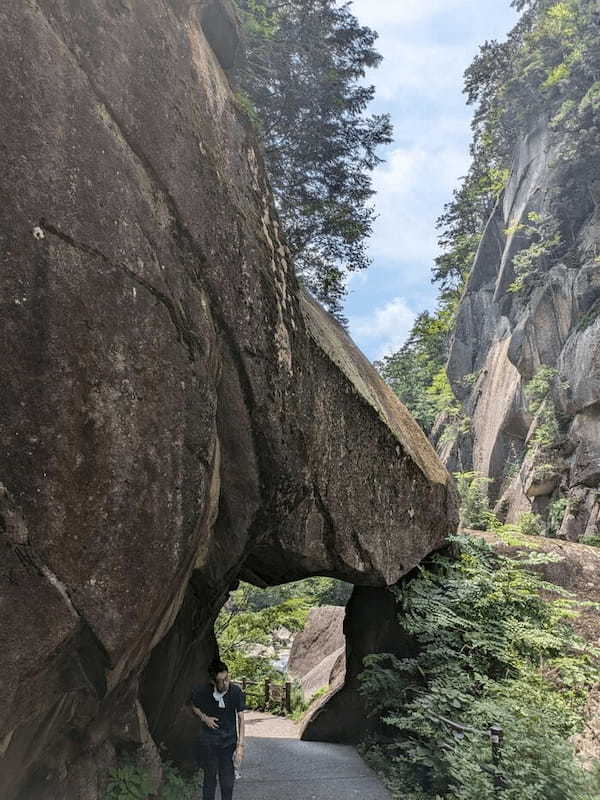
x=239 y=754
x=210 y=722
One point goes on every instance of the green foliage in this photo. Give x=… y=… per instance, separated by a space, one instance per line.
x=300 y=706
x=589 y=318
x=544 y=239
x=304 y=68
x=178 y=786
x=415 y=371
x=129 y=781
x=474 y=508
x=247 y=638
x=556 y=513
x=247 y=106
x=541 y=403
x=247 y=625
x=592 y=541
x=531 y=524
x=488 y=648
x=316 y=591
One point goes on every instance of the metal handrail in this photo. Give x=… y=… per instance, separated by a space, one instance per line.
x=496 y=734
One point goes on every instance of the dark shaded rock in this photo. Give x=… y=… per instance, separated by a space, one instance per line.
x=370 y=627
x=221 y=28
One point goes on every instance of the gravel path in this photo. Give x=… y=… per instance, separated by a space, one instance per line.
x=278 y=766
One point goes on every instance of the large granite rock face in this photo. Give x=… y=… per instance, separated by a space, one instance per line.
x=503 y=338
x=174 y=412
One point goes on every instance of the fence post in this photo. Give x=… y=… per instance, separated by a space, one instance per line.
x=267 y=692
x=244 y=685
x=496 y=738
x=288 y=697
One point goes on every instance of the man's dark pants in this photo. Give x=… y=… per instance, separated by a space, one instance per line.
x=216 y=760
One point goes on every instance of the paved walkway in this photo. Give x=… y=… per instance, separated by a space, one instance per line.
x=278 y=766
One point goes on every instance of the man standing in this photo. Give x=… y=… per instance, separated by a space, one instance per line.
x=220 y=705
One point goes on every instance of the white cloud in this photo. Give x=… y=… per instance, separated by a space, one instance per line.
x=388 y=326
x=409 y=187
x=426 y=67
x=399 y=12
x=426 y=45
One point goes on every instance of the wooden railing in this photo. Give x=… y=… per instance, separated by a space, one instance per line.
x=269 y=694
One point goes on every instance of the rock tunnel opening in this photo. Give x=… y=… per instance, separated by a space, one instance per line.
x=341 y=623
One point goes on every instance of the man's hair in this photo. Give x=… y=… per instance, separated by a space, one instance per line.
x=217 y=666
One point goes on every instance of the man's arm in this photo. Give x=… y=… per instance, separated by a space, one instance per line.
x=241 y=745
x=210 y=722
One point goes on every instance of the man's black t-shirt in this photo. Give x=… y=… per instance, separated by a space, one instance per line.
x=226 y=733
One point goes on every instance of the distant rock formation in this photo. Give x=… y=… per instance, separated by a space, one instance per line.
x=504 y=337
x=175 y=412
x=318 y=654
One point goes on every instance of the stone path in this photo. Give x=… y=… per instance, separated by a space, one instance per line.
x=278 y=766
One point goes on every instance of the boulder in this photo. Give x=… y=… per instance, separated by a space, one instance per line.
x=176 y=413
x=319 y=649
x=370 y=626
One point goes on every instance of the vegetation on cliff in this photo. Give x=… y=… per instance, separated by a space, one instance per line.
x=492 y=649
x=302 y=80
x=548 y=68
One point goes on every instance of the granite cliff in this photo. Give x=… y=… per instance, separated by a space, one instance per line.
x=525 y=362
x=176 y=414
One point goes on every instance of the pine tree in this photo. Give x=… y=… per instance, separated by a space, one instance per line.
x=303 y=73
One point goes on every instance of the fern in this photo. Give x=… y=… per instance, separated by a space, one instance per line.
x=490 y=648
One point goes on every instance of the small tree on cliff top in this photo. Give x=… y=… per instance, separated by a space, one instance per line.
x=303 y=70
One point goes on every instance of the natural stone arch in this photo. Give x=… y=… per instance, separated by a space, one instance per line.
x=175 y=412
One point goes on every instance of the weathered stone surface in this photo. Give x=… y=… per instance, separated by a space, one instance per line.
x=329 y=672
x=174 y=411
x=503 y=338
x=322 y=635
x=318 y=648
x=370 y=626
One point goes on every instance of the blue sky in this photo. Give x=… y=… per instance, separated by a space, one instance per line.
x=426 y=44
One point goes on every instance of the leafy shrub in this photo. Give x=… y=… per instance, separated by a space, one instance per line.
x=531 y=524
x=544 y=239
x=474 y=508
x=177 y=786
x=128 y=782
x=131 y=781
x=538 y=388
x=490 y=649
x=556 y=512
x=593 y=541
x=300 y=706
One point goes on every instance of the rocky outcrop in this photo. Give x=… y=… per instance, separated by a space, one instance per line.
x=370 y=626
x=504 y=337
x=317 y=657
x=175 y=412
